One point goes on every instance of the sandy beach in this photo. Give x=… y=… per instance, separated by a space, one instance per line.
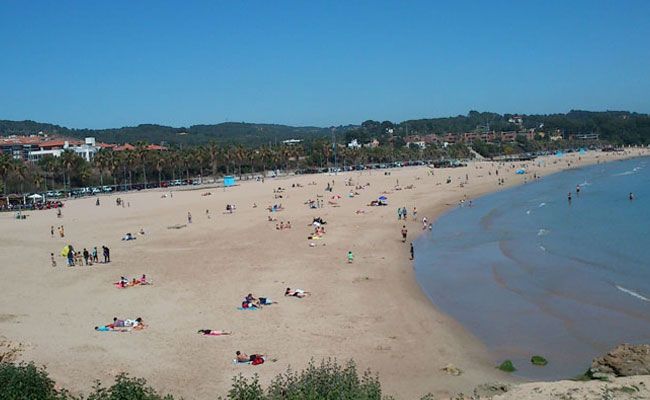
x=371 y=310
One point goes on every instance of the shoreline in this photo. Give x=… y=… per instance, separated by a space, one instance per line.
x=373 y=310
x=436 y=212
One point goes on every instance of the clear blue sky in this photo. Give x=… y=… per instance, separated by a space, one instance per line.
x=101 y=64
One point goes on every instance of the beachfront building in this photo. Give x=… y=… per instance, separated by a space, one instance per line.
x=86 y=149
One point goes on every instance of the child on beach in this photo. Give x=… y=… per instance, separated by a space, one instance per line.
x=350 y=257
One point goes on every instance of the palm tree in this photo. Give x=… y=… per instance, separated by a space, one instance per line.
x=141 y=152
x=239 y=155
x=5 y=169
x=69 y=159
x=160 y=160
x=213 y=153
x=101 y=160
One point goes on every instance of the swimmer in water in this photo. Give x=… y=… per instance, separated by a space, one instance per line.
x=569 y=197
x=631 y=196
x=577 y=189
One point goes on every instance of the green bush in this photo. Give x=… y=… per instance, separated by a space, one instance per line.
x=127 y=388
x=27 y=382
x=326 y=381
x=329 y=380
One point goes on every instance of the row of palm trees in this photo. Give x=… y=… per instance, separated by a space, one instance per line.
x=139 y=165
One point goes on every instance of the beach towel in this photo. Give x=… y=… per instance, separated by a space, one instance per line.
x=246 y=309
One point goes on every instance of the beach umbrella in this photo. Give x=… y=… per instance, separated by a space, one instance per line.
x=383 y=198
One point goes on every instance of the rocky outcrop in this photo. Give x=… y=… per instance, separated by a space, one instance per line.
x=624 y=360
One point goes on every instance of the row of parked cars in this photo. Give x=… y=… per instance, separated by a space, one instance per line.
x=92 y=191
x=396 y=164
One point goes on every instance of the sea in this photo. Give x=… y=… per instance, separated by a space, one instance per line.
x=529 y=273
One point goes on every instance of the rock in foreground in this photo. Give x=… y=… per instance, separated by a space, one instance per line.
x=624 y=360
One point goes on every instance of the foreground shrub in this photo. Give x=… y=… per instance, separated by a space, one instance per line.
x=329 y=380
x=127 y=388
x=27 y=382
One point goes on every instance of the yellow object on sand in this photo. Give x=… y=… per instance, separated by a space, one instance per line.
x=65 y=251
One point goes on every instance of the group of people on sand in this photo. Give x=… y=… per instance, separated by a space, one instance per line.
x=59 y=229
x=81 y=258
x=282 y=226
x=124 y=282
x=122 y=325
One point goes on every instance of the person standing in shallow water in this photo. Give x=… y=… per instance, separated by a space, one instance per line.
x=631 y=196
x=569 y=197
x=412 y=254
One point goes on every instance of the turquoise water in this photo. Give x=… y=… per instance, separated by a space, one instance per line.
x=529 y=273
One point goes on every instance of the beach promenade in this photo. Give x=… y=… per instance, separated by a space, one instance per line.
x=371 y=310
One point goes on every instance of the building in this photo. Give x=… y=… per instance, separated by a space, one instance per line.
x=291 y=142
x=354 y=144
x=86 y=149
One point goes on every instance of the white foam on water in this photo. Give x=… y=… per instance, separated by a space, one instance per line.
x=527 y=212
x=632 y=293
x=543 y=232
x=541 y=205
x=542 y=248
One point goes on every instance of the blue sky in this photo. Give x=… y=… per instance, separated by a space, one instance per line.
x=116 y=63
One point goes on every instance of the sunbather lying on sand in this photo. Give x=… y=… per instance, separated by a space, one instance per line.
x=210 y=332
x=244 y=358
x=123 y=325
x=251 y=301
x=296 y=293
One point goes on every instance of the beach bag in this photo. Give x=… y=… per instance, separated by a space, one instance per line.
x=258 y=361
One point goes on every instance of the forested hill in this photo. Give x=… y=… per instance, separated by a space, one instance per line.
x=227 y=132
x=614 y=126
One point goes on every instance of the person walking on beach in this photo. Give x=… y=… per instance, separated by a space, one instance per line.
x=207 y=213
x=52 y=230
x=107 y=254
x=95 y=258
x=61 y=231
x=189 y=217
x=53 y=260
x=70 y=256
x=350 y=257
x=424 y=223
x=404 y=233
x=86 y=255
x=415 y=213
x=399 y=214
x=412 y=255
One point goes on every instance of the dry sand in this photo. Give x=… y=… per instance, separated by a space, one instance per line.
x=372 y=310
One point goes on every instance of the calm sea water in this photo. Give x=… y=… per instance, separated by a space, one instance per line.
x=528 y=273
